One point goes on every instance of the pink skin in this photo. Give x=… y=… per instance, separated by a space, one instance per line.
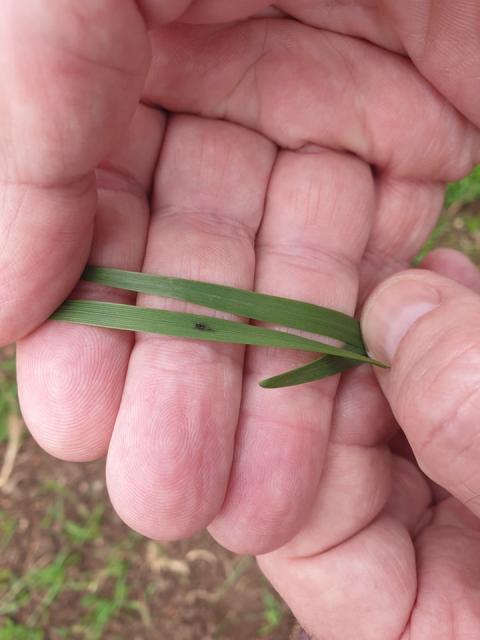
x=268 y=183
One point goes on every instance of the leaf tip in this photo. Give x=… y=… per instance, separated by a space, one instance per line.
x=267 y=383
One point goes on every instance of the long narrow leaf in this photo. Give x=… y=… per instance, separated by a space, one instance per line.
x=248 y=304
x=316 y=370
x=187 y=325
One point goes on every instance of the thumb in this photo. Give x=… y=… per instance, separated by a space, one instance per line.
x=428 y=328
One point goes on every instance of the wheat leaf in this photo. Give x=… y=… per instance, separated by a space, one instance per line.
x=188 y=325
x=248 y=304
x=316 y=370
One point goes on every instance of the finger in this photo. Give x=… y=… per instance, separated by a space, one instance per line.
x=54 y=67
x=362 y=418
x=427 y=327
x=447 y=556
x=71 y=377
x=441 y=37
x=314 y=91
x=355 y=485
x=362 y=19
x=407 y=212
x=405 y=215
x=362 y=415
x=454 y=265
x=312 y=237
x=410 y=494
x=171 y=450
x=364 y=588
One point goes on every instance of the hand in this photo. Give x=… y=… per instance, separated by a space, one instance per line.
x=269 y=185
x=413 y=572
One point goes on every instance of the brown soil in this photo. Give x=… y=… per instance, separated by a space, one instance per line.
x=189 y=590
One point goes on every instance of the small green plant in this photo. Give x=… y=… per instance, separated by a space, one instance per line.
x=102 y=606
x=90 y=526
x=38 y=589
x=458 y=194
x=465 y=191
x=272 y=614
x=55 y=515
x=473 y=224
x=8 y=395
x=9 y=630
x=8 y=526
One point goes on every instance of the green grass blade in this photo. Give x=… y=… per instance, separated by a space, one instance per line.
x=248 y=304
x=188 y=325
x=316 y=370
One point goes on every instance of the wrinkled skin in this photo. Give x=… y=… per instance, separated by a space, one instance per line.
x=302 y=152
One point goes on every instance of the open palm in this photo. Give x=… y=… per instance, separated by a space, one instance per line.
x=301 y=152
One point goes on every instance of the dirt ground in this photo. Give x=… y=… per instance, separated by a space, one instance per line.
x=70 y=569
x=459 y=228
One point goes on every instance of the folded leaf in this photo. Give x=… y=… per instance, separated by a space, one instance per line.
x=248 y=304
x=188 y=325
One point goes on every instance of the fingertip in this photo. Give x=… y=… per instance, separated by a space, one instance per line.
x=244 y=536
x=155 y=510
x=394 y=307
x=454 y=265
x=70 y=381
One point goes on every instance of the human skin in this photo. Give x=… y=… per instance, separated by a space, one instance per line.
x=311 y=164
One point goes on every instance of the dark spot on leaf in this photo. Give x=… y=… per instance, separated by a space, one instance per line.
x=201 y=326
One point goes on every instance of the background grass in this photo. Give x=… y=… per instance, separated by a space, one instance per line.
x=459 y=225
x=70 y=569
